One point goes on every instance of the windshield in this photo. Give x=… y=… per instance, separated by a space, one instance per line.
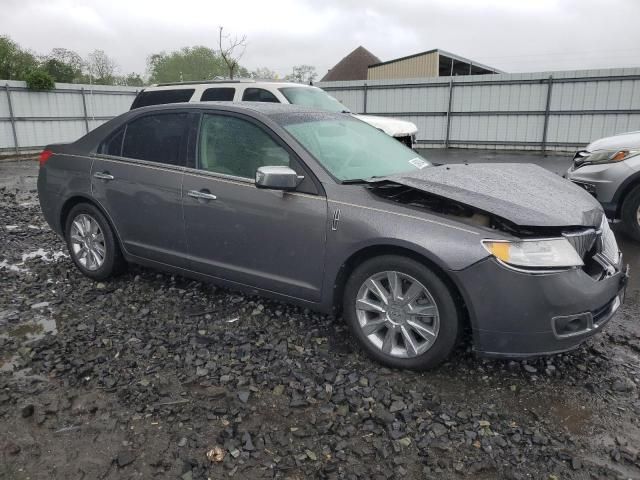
x=312 y=97
x=353 y=150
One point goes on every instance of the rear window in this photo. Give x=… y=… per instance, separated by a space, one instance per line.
x=160 y=138
x=221 y=94
x=160 y=97
x=259 y=95
x=113 y=144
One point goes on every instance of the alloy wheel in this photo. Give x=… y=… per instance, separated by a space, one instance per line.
x=397 y=314
x=87 y=242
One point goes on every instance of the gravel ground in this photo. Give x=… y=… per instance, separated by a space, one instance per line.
x=156 y=376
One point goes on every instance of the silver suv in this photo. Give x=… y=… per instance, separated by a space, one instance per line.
x=609 y=169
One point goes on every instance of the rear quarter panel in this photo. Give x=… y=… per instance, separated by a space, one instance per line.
x=62 y=177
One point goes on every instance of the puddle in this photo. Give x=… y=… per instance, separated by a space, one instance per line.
x=565 y=412
x=41 y=254
x=31 y=330
x=25 y=332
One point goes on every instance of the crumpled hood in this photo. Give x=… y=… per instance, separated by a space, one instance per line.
x=391 y=126
x=624 y=140
x=525 y=194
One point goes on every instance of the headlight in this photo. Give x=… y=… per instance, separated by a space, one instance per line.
x=547 y=253
x=609 y=156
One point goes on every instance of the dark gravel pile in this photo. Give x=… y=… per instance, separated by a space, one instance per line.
x=151 y=375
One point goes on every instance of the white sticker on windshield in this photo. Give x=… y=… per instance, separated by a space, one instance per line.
x=418 y=163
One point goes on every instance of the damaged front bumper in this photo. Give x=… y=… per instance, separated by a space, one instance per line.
x=517 y=314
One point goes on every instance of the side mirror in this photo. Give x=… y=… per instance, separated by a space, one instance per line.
x=277 y=178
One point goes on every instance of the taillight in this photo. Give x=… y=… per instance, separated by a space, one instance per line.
x=44 y=156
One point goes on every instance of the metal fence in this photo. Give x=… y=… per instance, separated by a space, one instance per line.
x=31 y=119
x=530 y=111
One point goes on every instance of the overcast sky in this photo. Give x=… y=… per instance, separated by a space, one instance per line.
x=512 y=35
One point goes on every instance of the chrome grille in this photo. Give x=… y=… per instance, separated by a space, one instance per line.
x=582 y=241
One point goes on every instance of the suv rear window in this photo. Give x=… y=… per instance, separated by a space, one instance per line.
x=259 y=95
x=160 y=97
x=221 y=94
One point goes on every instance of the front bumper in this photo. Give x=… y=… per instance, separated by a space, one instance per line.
x=602 y=181
x=516 y=314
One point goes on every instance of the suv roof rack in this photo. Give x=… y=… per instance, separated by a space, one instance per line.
x=199 y=82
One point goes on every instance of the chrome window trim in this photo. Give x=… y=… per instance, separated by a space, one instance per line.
x=139 y=162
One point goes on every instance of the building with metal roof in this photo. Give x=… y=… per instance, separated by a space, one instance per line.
x=432 y=63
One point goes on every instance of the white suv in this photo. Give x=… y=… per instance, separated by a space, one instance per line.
x=275 y=92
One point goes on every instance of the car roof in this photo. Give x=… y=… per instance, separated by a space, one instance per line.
x=265 y=108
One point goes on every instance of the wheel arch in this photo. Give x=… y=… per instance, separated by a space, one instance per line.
x=631 y=183
x=77 y=199
x=372 y=251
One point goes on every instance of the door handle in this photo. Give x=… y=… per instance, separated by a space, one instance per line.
x=103 y=176
x=201 y=195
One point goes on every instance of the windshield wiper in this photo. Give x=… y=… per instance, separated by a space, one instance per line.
x=355 y=181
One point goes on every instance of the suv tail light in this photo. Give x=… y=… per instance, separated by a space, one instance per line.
x=44 y=156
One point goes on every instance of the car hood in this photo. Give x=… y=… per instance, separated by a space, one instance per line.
x=616 y=142
x=391 y=126
x=524 y=194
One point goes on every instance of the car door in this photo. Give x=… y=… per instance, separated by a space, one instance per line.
x=137 y=178
x=262 y=238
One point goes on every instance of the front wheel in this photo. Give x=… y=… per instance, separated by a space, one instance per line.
x=631 y=214
x=401 y=313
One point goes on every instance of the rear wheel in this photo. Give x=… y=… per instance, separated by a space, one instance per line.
x=402 y=314
x=631 y=213
x=92 y=243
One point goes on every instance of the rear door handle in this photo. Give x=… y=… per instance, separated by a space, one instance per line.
x=201 y=195
x=103 y=176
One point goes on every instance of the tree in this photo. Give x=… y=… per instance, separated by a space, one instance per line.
x=63 y=65
x=101 y=67
x=263 y=73
x=39 y=80
x=231 y=50
x=59 y=71
x=15 y=63
x=131 y=80
x=187 y=64
x=302 y=74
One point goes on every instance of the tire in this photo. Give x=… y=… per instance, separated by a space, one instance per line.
x=631 y=214
x=100 y=239
x=399 y=321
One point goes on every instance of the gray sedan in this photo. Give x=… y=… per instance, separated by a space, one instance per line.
x=326 y=211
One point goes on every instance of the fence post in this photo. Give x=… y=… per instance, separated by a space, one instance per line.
x=12 y=119
x=545 y=127
x=365 y=97
x=446 y=140
x=84 y=107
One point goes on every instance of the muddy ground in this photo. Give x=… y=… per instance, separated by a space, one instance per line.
x=156 y=376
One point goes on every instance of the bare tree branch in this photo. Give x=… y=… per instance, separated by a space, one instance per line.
x=231 y=50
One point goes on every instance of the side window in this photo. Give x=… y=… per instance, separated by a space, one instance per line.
x=161 y=97
x=221 y=94
x=232 y=146
x=113 y=144
x=259 y=95
x=160 y=138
